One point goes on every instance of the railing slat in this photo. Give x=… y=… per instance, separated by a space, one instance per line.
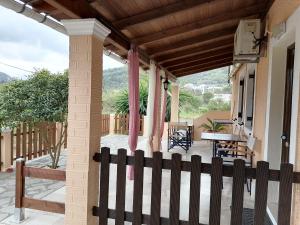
x=29 y=142
x=175 y=189
x=24 y=140
x=104 y=186
x=35 y=141
x=44 y=205
x=138 y=187
x=195 y=182
x=215 y=191
x=285 y=194
x=261 y=192
x=156 y=188
x=40 y=139
x=121 y=187
x=18 y=142
x=238 y=192
x=42 y=173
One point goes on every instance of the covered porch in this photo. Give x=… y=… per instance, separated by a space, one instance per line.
x=172 y=39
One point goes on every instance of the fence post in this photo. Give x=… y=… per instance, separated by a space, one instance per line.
x=6 y=153
x=111 y=123
x=19 y=214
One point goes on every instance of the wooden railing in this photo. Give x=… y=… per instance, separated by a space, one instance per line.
x=122 y=124
x=21 y=201
x=286 y=177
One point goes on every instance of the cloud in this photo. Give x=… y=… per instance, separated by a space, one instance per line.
x=28 y=44
x=16 y=27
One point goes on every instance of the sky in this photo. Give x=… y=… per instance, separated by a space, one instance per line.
x=29 y=45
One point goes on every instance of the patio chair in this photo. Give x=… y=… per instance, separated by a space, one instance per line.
x=244 y=152
x=179 y=134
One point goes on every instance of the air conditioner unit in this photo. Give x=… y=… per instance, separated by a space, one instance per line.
x=246 y=47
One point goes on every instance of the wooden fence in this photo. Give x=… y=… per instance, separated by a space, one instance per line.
x=122 y=124
x=105 y=124
x=29 y=142
x=285 y=176
x=217 y=170
x=21 y=201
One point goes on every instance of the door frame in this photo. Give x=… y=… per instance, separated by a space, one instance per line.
x=288 y=99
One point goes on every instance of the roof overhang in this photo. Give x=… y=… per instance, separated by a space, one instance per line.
x=183 y=37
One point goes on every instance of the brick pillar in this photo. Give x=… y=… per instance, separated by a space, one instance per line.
x=175 y=103
x=84 y=130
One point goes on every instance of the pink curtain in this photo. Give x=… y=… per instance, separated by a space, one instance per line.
x=156 y=106
x=134 y=107
x=163 y=113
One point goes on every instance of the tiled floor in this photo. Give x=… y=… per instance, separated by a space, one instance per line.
x=114 y=142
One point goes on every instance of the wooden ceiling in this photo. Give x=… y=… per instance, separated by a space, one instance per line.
x=182 y=36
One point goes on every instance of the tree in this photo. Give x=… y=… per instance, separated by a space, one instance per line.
x=122 y=100
x=207 y=96
x=43 y=97
x=122 y=105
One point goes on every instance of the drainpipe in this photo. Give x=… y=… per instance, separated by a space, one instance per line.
x=29 y=12
x=26 y=10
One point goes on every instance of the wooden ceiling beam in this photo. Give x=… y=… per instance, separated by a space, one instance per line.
x=158 y=13
x=240 y=13
x=82 y=9
x=200 y=61
x=268 y=5
x=229 y=32
x=224 y=43
x=227 y=58
x=63 y=8
x=198 y=57
x=190 y=72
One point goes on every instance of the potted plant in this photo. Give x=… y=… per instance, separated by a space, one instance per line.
x=212 y=126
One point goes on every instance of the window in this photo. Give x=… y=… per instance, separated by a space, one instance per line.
x=250 y=100
x=241 y=101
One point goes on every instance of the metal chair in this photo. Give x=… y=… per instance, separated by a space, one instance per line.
x=244 y=152
x=179 y=134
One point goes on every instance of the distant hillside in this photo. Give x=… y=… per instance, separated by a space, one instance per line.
x=216 y=77
x=117 y=78
x=4 y=78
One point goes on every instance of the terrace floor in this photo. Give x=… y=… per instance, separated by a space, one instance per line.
x=55 y=191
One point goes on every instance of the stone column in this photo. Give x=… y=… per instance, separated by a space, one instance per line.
x=175 y=103
x=84 y=130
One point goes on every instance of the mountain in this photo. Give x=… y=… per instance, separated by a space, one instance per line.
x=212 y=77
x=4 y=78
x=117 y=78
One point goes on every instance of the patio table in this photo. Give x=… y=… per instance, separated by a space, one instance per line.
x=214 y=137
x=223 y=122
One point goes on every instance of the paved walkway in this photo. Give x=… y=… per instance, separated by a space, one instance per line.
x=55 y=191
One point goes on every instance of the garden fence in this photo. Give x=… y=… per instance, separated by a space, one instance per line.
x=29 y=142
x=122 y=124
